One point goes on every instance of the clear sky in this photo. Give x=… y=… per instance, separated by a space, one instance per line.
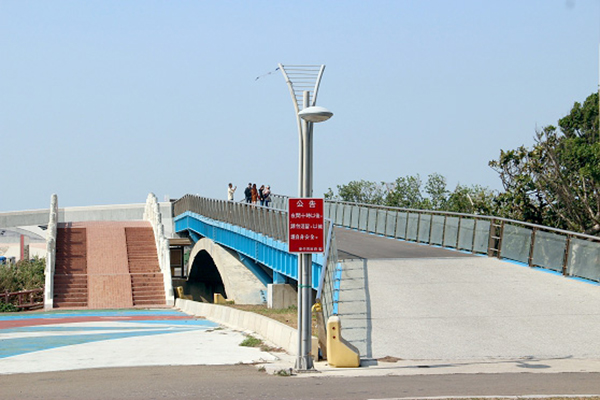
x=103 y=102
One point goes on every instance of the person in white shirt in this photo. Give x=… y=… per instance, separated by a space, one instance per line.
x=230 y=192
x=267 y=195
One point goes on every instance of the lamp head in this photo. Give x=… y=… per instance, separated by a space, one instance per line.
x=315 y=114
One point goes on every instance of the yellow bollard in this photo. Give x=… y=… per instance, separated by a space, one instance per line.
x=340 y=353
x=219 y=299
x=321 y=332
x=181 y=295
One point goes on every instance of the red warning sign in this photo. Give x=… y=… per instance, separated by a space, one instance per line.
x=305 y=226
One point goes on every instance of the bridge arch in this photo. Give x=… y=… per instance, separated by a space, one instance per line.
x=239 y=283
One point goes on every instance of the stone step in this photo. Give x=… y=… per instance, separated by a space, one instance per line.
x=144 y=271
x=75 y=278
x=70 y=304
x=137 y=278
x=71 y=271
x=153 y=283
x=152 y=293
x=152 y=302
x=66 y=297
x=147 y=285
x=142 y=255
x=157 y=298
x=77 y=283
x=145 y=265
x=70 y=278
x=70 y=288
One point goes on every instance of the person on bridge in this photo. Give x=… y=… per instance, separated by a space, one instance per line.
x=267 y=196
x=230 y=192
x=254 y=194
x=261 y=196
x=248 y=193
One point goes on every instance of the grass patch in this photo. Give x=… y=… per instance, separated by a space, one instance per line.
x=283 y=372
x=251 y=341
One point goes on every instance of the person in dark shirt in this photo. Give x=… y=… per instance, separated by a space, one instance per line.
x=248 y=193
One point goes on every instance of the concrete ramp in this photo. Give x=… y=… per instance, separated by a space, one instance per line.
x=470 y=308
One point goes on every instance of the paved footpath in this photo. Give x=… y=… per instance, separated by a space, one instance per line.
x=69 y=340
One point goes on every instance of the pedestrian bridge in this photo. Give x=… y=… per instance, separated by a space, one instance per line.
x=407 y=283
x=415 y=284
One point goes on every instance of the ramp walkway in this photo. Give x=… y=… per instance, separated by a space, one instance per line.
x=408 y=301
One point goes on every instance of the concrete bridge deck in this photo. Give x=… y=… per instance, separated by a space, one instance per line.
x=417 y=302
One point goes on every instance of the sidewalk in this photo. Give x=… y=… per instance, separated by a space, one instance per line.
x=58 y=341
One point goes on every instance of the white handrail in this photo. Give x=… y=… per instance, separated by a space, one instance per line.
x=153 y=215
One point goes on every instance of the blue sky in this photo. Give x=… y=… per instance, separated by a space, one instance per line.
x=103 y=102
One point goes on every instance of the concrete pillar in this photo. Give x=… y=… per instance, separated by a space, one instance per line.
x=281 y=296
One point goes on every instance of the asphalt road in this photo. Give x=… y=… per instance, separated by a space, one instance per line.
x=245 y=382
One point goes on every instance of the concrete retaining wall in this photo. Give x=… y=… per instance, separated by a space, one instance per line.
x=119 y=212
x=24 y=218
x=275 y=332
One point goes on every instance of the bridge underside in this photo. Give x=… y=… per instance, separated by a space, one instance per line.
x=215 y=269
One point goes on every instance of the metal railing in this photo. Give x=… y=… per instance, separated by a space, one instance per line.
x=327 y=287
x=568 y=253
x=269 y=221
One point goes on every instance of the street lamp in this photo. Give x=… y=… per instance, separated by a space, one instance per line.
x=315 y=114
x=303 y=82
x=309 y=116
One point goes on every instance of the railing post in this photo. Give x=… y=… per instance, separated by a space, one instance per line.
x=458 y=232
x=565 y=264
x=474 y=233
x=444 y=231
x=430 y=227
x=531 y=247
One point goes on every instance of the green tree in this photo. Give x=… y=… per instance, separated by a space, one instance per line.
x=358 y=192
x=557 y=182
x=436 y=191
x=522 y=199
x=474 y=199
x=406 y=193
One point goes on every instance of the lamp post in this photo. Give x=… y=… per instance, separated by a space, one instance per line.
x=309 y=116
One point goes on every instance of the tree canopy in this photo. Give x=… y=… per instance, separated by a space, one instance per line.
x=555 y=183
x=410 y=192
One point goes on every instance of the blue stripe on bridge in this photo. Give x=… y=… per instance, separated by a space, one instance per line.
x=260 y=248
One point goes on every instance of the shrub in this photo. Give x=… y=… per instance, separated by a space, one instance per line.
x=4 y=307
x=24 y=275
